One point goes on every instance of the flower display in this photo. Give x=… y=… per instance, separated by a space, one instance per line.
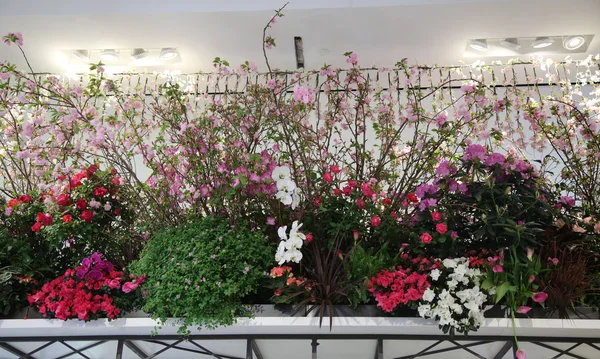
x=92 y=290
x=455 y=299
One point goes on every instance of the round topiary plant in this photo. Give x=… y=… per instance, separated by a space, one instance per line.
x=199 y=272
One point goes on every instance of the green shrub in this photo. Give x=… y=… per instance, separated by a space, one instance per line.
x=199 y=272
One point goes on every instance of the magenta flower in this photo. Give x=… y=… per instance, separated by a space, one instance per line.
x=95 y=274
x=531 y=278
x=520 y=354
x=270 y=221
x=539 y=297
x=475 y=151
x=129 y=287
x=553 y=260
x=497 y=269
x=523 y=309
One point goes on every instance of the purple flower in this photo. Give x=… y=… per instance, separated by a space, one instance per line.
x=445 y=168
x=567 y=200
x=86 y=263
x=95 y=274
x=475 y=151
x=81 y=273
x=96 y=257
x=270 y=221
x=495 y=158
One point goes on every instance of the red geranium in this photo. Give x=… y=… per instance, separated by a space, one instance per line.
x=412 y=197
x=26 y=198
x=67 y=218
x=13 y=202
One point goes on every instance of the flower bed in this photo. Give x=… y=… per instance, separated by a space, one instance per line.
x=312 y=194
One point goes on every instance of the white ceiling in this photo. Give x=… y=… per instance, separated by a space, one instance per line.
x=382 y=32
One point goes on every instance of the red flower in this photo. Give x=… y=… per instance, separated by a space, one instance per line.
x=436 y=216
x=347 y=190
x=13 y=202
x=67 y=218
x=412 y=197
x=26 y=198
x=317 y=201
x=356 y=234
x=387 y=201
x=441 y=228
x=36 y=227
x=393 y=215
x=426 y=238
x=129 y=287
x=277 y=292
x=360 y=203
x=367 y=190
x=352 y=184
x=327 y=177
x=116 y=181
x=337 y=192
x=44 y=218
x=87 y=215
x=117 y=212
x=113 y=171
x=375 y=221
x=81 y=204
x=309 y=238
x=335 y=169
x=64 y=199
x=91 y=170
x=100 y=192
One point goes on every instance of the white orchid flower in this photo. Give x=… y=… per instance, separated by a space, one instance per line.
x=286 y=185
x=281 y=172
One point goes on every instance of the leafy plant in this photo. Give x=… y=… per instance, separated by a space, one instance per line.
x=200 y=271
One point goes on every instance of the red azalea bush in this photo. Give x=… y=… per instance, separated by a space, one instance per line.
x=403 y=285
x=91 y=291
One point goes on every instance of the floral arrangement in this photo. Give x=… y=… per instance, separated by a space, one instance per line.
x=91 y=291
x=343 y=175
x=455 y=298
x=404 y=286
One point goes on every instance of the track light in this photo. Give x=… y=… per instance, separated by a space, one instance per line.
x=168 y=53
x=573 y=42
x=479 y=44
x=109 y=55
x=139 y=53
x=511 y=43
x=83 y=55
x=541 y=42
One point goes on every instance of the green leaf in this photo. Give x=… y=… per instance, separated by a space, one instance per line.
x=501 y=291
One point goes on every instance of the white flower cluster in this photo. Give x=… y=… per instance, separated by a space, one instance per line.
x=289 y=248
x=457 y=301
x=288 y=193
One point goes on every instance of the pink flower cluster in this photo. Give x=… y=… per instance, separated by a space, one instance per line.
x=84 y=292
x=400 y=286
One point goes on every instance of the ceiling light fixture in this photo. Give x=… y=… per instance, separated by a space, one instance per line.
x=109 y=55
x=138 y=53
x=168 y=53
x=573 y=42
x=83 y=55
x=479 y=44
x=511 y=43
x=541 y=42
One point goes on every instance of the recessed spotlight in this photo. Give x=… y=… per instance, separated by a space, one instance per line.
x=137 y=54
x=109 y=54
x=479 y=44
x=83 y=55
x=511 y=43
x=541 y=42
x=168 y=53
x=573 y=42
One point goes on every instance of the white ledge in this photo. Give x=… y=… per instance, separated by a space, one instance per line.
x=297 y=326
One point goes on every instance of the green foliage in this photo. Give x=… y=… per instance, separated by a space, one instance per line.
x=200 y=271
x=363 y=265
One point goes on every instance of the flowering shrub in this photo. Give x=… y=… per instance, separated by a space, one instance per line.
x=90 y=213
x=201 y=272
x=455 y=298
x=403 y=285
x=91 y=291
